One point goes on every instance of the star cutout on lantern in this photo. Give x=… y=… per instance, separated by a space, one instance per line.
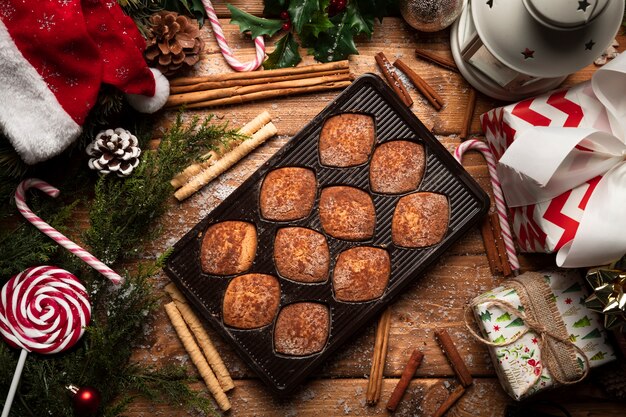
x=528 y=53
x=589 y=45
x=490 y=3
x=583 y=4
x=608 y=296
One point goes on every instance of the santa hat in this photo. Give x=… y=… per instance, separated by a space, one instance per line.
x=54 y=55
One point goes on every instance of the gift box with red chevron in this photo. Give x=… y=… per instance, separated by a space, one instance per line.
x=554 y=151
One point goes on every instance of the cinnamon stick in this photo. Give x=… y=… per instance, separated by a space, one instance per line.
x=409 y=370
x=201 y=96
x=436 y=59
x=450 y=401
x=210 y=85
x=469 y=114
x=461 y=371
x=375 y=382
x=427 y=91
x=202 y=337
x=494 y=245
x=263 y=95
x=212 y=172
x=196 y=356
x=393 y=79
x=331 y=66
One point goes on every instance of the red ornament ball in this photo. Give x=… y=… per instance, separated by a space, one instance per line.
x=86 y=401
x=285 y=15
x=286 y=26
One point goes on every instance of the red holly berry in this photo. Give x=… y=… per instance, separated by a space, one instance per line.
x=285 y=15
x=340 y=5
x=286 y=26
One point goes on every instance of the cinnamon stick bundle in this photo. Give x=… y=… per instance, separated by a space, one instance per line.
x=436 y=59
x=451 y=352
x=331 y=66
x=427 y=91
x=392 y=78
x=208 y=95
x=374 y=384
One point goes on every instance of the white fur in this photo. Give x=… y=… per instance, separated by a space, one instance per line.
x=30 y=115
x=152 y=104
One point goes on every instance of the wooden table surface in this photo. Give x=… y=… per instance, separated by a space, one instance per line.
x=434 y=301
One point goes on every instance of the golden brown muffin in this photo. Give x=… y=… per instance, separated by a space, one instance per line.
x=301 y=254
x=361 y=274
x=301 y=329
x=397 y=167
x=420 y=219
x=288 y=194
x=228 y=248
x=251 y=301
x=346 y=140
x=347 y=213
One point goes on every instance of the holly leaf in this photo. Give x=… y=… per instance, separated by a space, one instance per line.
x=358 y=21
x=301 y=12
x=257 y=26
x=336 y=43
x=377 y=8
x=189 y=7
x=319 y=23
x=285 y=55
x=274 y=7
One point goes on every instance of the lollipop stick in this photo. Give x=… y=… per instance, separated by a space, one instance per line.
x=16 y=379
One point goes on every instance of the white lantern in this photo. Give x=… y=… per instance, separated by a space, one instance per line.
x=511 y=49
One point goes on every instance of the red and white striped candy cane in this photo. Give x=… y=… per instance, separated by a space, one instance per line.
x=235 y=64
x=497 y=193
x=20 y=202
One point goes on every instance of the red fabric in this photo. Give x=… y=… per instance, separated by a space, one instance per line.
x=75 y=46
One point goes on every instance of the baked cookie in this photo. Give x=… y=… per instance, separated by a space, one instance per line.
x=301 y=329
x=397 y=167
x=251 y=301
x=419 y=220
x=288 y=194
x=361 y=274
x=228 y=248
x=347 y=213
x=346 y=140
x=301 y=254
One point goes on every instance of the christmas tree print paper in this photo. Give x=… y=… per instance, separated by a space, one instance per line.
x=519 y=365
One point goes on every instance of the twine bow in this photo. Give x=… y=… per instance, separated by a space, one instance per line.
x=541 y=317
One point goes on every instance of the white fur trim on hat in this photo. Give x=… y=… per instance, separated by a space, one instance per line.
x=30 y=115
x=147 y=104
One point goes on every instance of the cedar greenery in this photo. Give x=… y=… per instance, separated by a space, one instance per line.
x=122 y=212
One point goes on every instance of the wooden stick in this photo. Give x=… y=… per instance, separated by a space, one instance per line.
x=211 y=157
x=331 y=66
x=461 y=371
x=450 y=401
x=226 y=162
x=375 y=382
x=196 y=356
x=436 y=59
x=393 y=79
x=427 y=91
x=262 y=95
x=197 y=96
x=494 y=245
x=204 y=341
x=469 y=114
x=251 y=81
x=409 y=370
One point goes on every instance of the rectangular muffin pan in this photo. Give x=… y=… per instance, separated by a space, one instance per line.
x=443 y=175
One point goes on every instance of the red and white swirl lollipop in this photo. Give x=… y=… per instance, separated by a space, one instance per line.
x=43 y=309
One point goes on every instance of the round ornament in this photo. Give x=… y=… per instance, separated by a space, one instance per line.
x=85 y=400
x=430 y=15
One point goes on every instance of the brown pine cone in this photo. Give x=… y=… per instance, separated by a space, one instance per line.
x=173 y=42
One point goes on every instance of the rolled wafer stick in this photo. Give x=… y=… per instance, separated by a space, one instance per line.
x=202 y=337
x=409 y=370
x=199 y=96
x=226 y=162
x=450 y=401
x=263 y=95
x=261 y=74
x=210 y=85
x=451 y=352
x=196 y=356
x=211 y=157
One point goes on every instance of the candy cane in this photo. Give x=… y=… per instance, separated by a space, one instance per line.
x=235 y=64
x=20 y=201
x=497 y=193
x=43 y=309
